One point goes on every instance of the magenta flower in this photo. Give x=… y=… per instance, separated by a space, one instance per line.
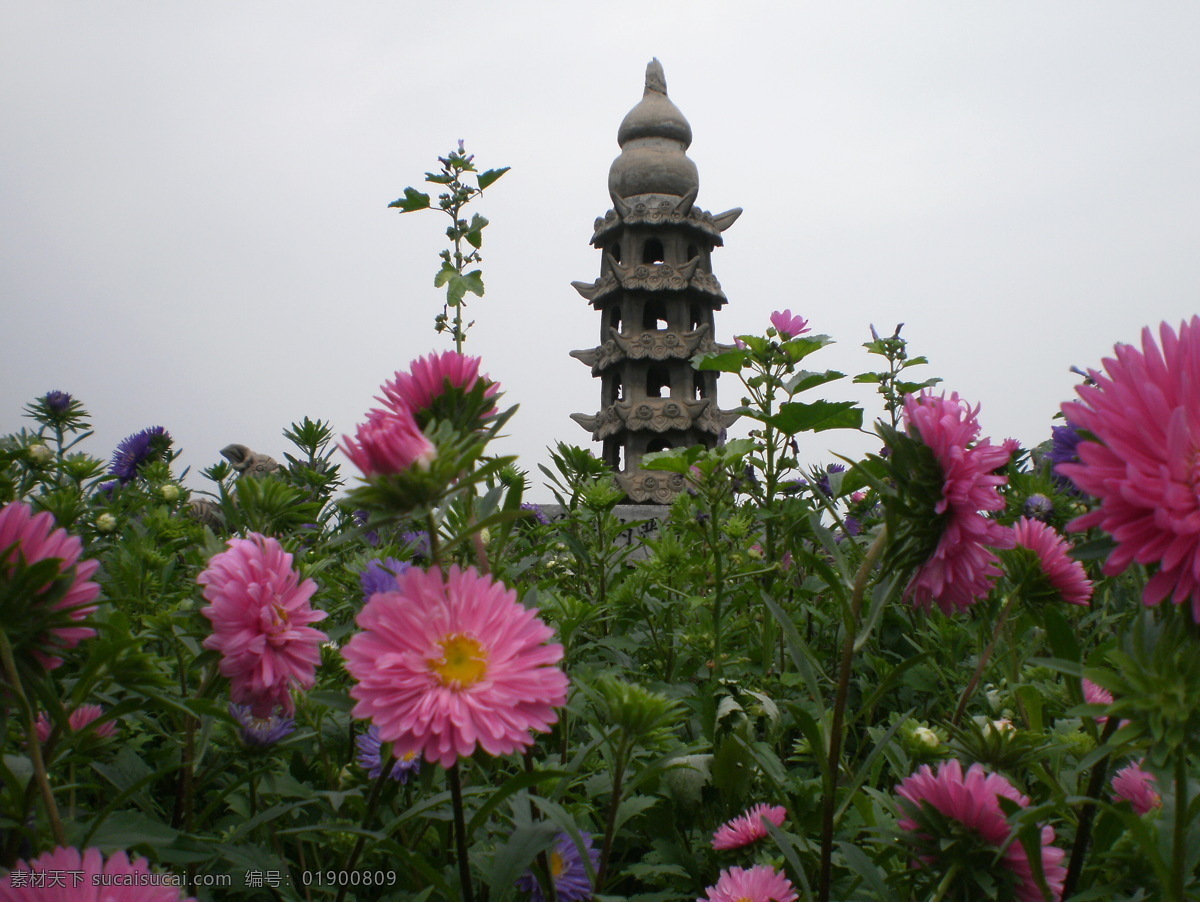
x=1064 y=573
x=260 y=613
x=749 y=827
x=1145 y=416
x=78 y=719
x=34 y=626
x=447 y=664
x=972 y=800
x=428 y=378
x=1137 y=787
x=788 y=326
x=761 y=883
x=67 y=875
x=389 y=442
x=962 y=568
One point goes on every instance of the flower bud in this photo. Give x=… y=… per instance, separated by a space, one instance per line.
x=41 y=454
x=169 y=492
x=106 y=523
x=926 y=737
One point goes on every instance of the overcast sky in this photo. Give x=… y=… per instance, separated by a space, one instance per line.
x=194 y=229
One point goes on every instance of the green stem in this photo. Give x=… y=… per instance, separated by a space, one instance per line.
x=839 y=711
x=1087 y=815
x=947 y=882
x=387 y=763
x=610 y=826
x=550 y=890
x=969 y=691
x=31 y=740
x=460 y=833
x=1179 y=840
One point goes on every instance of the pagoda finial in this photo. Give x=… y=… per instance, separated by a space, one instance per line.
x=654 y=137
x=656 y=79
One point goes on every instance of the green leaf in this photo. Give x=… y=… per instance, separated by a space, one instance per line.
x=473 y=282
x=796 y=416
x=804 y=380
x=127 y=829
x=444 y=275
x=489 y=178
x=724 y=361
x=516 y=855
x=475 y=231
x=515 y=784
x=412 y=200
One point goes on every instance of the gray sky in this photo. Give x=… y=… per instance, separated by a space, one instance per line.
x=194 y=233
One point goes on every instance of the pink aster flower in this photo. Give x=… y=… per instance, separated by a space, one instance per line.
x=971 y=799
x=78 y=719
x=35 y=627
x=260 y=613
x=741 y=831
x=1137 y=787
x=389 y=442
x=447 y=664
x=962 y=568
x=1098 y=695
x=429 y=377
x=68 y=875
x=1064 y=572
x=761 y=883
x=1145 y=416
x=788 y=326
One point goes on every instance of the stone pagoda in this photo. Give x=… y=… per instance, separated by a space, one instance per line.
x=656 y=296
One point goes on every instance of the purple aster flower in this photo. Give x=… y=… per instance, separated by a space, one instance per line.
x=1039 y=507
x=370 y=749
x=823 y=482
x=371 y=537
x=1064 y=449
x=380 y=576
x=567 y=870
x=853 y=526
x=137 y=450
x=417 y=543
x=537 y=513
x=57 y=402
x=260 y=732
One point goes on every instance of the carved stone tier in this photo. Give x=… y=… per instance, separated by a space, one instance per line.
x=663 y=209
x=656 y=415
x=651 y=277
x=653 y=486
x=647 y=345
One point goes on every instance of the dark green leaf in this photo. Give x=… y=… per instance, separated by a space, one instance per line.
x=725 y=362
x=490 y=177
x=796 y=416
x=412 y=200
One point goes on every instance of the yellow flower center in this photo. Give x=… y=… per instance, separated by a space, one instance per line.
x=463 y=662
x=276 y=623
x=557 y=865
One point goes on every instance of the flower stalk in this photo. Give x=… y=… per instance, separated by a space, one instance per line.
x=829 y=805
